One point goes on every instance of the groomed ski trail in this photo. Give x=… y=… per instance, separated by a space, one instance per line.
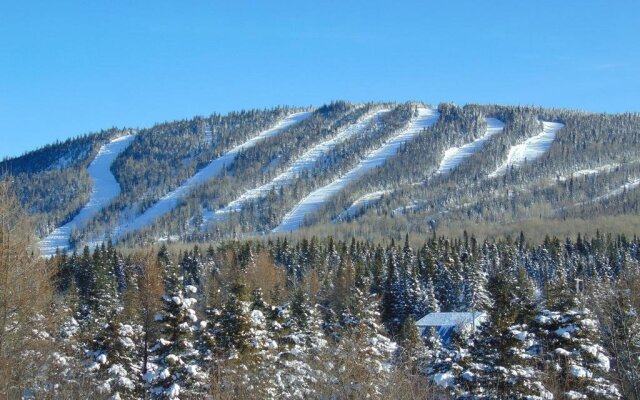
x=631 y=185
x=294 y=219
x=305 y=162
x=104 y=189
x=213 y=169
x=530 y=149
x=359 y=204
x=455 y=155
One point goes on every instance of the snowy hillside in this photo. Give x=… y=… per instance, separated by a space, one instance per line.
x=358 y=205
x=531 y=149
x=171 y=200
x=304 y=163
x=105 y=188
x=295 y=218
x=455 y=155
x=344 y=167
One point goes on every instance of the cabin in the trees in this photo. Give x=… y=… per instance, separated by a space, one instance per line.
x=445 y=323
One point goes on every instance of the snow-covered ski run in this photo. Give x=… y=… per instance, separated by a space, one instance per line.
x=295 y=218
x=213 y=169
x=530 y=149
x=105 y=189
x=631 y=185
x=590 y=171
x=455 y=155
x=359 y=204
x=305 y=162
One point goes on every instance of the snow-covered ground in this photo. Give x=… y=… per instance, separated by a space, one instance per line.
x=305 y=162
x=213 y=169
x=105 y=189
x=591 y=171
x=616 y=192
x=455 y=155
x=631 y=185
x=294 y=219
x=360 y=204
x=530 y=149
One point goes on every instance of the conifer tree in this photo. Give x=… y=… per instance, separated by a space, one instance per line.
x=177 y=373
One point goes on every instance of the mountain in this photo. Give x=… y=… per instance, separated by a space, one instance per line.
x=374 y=170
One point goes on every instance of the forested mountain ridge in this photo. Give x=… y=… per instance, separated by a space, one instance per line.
x=510 y=169
x=429 y=210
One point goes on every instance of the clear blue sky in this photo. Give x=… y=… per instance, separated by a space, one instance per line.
x=71 y=67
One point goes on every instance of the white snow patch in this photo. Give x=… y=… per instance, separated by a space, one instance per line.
x=213 y=169
x=105 y=188
x=305 y=162
x=455 y=155
x=573 y=395
x=562 y=352
x=173 y=392
x=579 y=372
x=444 y=379
x=530 y=149
x=294 y=219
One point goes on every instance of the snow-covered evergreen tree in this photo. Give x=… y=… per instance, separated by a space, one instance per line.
x=570 y=346
x=178 y=372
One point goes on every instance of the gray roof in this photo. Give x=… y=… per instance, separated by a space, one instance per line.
x=445 y=323
x=450 y=319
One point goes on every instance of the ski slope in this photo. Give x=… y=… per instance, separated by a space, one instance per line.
x=633 y=184
x=530 y=149
x=104 y=189
x=590 y=171
x=455 y=155
x=304 y=163
x=359 y=204
x=294 y=219
x=213 y=169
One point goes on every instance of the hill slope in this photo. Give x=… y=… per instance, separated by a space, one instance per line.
x=484 y=168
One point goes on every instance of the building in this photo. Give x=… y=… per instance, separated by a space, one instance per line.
x=446 y=323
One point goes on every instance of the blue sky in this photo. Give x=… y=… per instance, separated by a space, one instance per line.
x=72 y=67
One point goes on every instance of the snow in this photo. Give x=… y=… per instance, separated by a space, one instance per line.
x=579 y=372
x=213 y=169
x=565 y=332
x=631 y=185
x=173 y=392
x=616 y=192
x=455 y=155
x=591 y=171
x=192 y=370
x=603 y=362
x=294 y=219
x=164 y=374
x=530 y=149
x=444 y=379
x=360 y=204
x=305 y=162
x=562 y=352
x=105 y=189
x=257 y=319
